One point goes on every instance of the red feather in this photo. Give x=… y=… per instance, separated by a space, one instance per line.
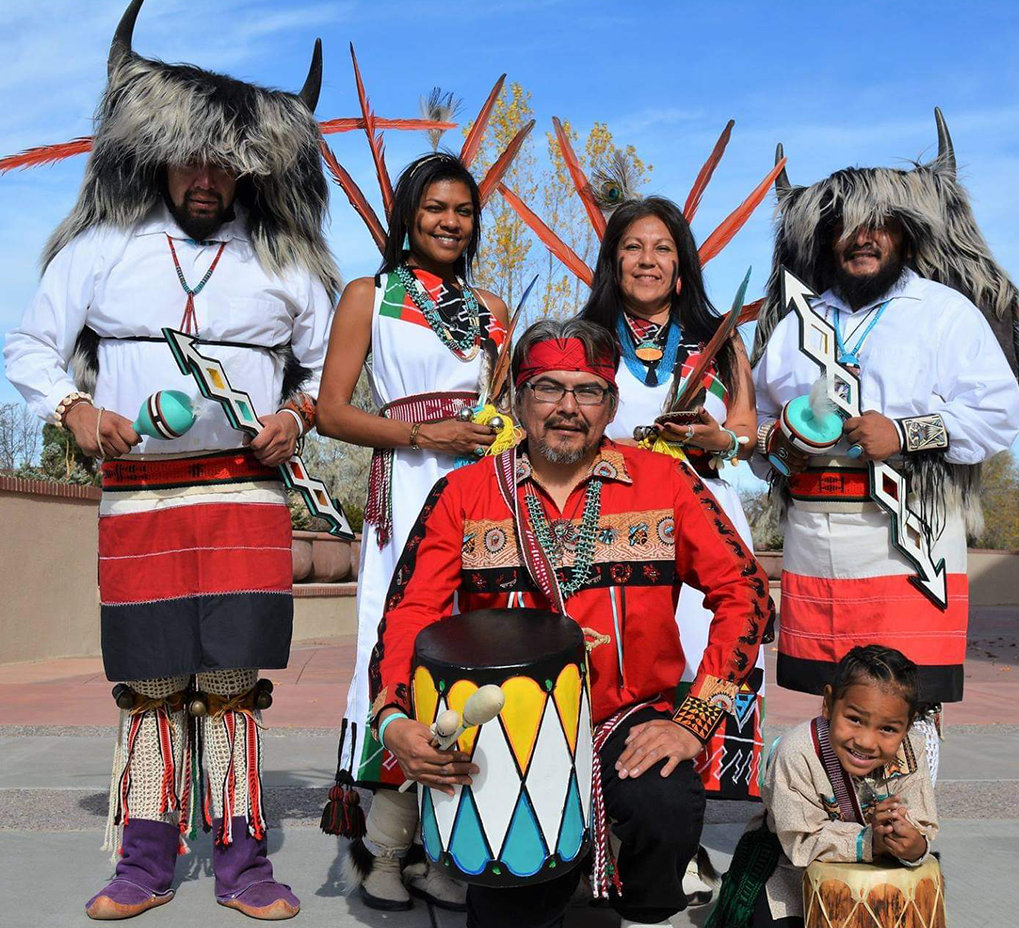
x=738 y=217
x=45 y=154
x=579 y=180
x=354 y=194
x=498 y=170
x=374 y=141
x=704 y=177
x=350 y=123
x=749 y=312
x=548 y=238
x=477 y=131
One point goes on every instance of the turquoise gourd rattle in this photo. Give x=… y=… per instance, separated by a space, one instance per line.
x=811 y=423
x=167 y=414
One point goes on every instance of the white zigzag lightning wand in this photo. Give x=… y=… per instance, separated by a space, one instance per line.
x=214 y=384
x=910 y=535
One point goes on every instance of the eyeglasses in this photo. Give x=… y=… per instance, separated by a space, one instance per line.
x=588 y=394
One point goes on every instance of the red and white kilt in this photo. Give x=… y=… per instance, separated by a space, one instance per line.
x=195 y=569
x=843 y=584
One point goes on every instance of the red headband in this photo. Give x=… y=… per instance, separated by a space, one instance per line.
x=563 y=354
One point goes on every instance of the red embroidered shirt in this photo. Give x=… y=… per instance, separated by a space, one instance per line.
x=659 y=528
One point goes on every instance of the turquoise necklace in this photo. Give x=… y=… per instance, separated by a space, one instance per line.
x=466 y=345
x=851 y=356
x=649 y=372
x=584 y=559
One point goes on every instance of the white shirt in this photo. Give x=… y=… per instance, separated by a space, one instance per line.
x=123 y=283
x=931 y=351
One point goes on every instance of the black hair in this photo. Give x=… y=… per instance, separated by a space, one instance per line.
x=691 y=307
x=410 y=188
x=877 y=664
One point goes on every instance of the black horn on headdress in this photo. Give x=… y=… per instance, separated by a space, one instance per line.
x=121 y=46
x=313 y=84
x=946 y=151
x=782 y=185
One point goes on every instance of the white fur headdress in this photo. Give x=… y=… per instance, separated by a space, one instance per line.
x=935 y=212
x=154 y=114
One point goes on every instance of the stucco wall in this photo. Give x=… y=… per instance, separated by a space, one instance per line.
x=49 y=600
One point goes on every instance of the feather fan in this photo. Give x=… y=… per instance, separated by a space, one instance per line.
x=594 y=213
x=378 y=150
x=693 y=201
x=477 y=131
x=735 y=221
x=548 y=238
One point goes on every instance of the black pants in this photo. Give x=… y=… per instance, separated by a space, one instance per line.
x=658 y=822
x=762 y=917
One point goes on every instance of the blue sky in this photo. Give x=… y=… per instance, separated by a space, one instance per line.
x=838 y=84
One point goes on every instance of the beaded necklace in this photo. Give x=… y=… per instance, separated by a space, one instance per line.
x=465 y=346
x=189 y=318
x=584 y=558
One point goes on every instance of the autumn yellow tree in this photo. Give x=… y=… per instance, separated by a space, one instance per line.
x=504 y=256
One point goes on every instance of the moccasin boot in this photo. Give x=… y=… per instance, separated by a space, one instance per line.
x=382 y=887
x=144 y=872
x=244 y=878
x=430 y=883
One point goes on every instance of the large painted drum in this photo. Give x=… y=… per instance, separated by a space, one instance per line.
x=873 y=896
x=526 y=817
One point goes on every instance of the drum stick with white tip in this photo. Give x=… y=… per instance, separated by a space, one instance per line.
x=482 y=706
x=447 y=723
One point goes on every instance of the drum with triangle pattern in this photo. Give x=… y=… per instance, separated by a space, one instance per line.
x=526 y=817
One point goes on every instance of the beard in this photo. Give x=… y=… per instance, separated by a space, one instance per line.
x=203 y=227
x=859 y=291
x=559 y=455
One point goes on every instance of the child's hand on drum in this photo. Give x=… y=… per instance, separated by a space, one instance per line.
x=650 y=742
x=894 y=834
x=411 y=743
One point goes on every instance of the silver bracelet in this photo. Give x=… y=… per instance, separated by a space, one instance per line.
x=764 y=431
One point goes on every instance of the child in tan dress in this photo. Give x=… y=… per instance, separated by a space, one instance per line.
x=851 y=785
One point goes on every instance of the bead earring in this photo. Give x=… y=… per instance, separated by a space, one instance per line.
x=406 y=241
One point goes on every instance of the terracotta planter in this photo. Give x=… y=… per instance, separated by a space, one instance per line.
x=355 y=557
x=771 y=561
x=300 y=550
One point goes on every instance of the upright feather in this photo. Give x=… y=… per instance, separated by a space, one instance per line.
x=579 y=180
x=704 y=176
x=440 y=108
x=374 y=141
x=615 y=183
x=45 y=154
x=357 y=199
x=473 y=141
x=502 y=164
x=548 y=238
x=735 y=221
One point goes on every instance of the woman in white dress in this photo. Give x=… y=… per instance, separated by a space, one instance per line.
x=648 y=290
x=427 y=340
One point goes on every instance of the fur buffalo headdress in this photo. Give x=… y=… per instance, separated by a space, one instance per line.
x=934 y=209
x=154 y=114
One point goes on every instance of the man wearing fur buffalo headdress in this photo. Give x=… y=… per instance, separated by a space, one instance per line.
x=915 y=300
x=201 y=210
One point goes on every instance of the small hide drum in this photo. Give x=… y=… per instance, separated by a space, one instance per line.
x=873 y=896
x=809 y=433
x=527 y=815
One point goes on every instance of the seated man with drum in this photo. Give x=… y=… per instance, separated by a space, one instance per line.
x=567 y=528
